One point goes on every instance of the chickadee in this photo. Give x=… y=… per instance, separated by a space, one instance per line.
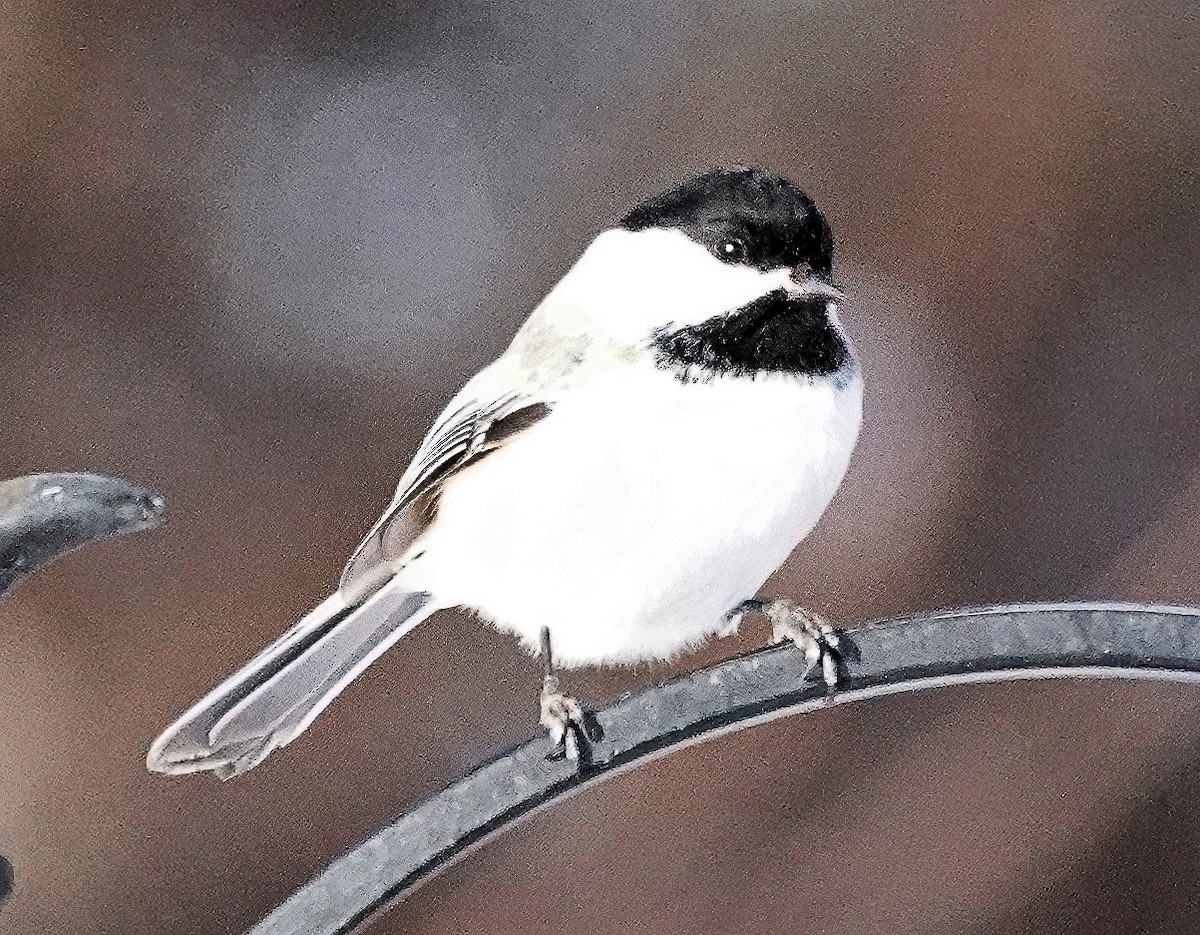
x=668 y=424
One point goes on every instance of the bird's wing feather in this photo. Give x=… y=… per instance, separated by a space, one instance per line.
x=485 y=414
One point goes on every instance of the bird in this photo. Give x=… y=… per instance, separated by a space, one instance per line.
x=665 y=427
x=44 y=516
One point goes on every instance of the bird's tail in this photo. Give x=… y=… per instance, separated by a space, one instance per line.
x=277 y=694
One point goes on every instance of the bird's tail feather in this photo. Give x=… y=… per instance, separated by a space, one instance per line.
x=275 y=696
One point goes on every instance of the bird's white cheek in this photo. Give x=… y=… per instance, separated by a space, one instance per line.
x=633 y=283
x=704 y=287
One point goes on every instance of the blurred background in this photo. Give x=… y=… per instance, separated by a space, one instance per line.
x=248 y=252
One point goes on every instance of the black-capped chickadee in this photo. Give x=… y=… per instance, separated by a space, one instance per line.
x=668 y=424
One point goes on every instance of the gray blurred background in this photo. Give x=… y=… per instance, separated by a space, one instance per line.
x=249 y=250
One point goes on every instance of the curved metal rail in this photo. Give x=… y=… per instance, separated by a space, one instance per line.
x=43 y=516
x=923 y=651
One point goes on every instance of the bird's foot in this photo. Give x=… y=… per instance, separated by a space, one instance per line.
x=791 y=623
x=572 y=727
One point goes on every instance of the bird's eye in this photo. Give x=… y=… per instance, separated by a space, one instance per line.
x=731 y=250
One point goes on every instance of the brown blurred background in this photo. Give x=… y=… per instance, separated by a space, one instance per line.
x=249 y=250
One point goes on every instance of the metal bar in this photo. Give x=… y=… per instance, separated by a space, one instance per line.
x=43 y=516
x=923 y=651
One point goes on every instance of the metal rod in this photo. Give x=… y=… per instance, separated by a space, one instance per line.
x=43 y=516
x=928 y=650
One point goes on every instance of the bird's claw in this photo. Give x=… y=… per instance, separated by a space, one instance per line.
x=820 y=642
x=572 y=727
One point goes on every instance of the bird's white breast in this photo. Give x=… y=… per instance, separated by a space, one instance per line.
x=637 y=514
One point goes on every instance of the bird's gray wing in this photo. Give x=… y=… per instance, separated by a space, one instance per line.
x=475 y=423
x=273 y=698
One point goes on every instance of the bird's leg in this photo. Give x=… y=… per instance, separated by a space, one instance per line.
x=733 y=619
x=571 y=726
x=792 y=623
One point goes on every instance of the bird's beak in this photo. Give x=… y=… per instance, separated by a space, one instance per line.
x=807 y=283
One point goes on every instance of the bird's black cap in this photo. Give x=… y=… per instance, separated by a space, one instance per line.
x=743 y=214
